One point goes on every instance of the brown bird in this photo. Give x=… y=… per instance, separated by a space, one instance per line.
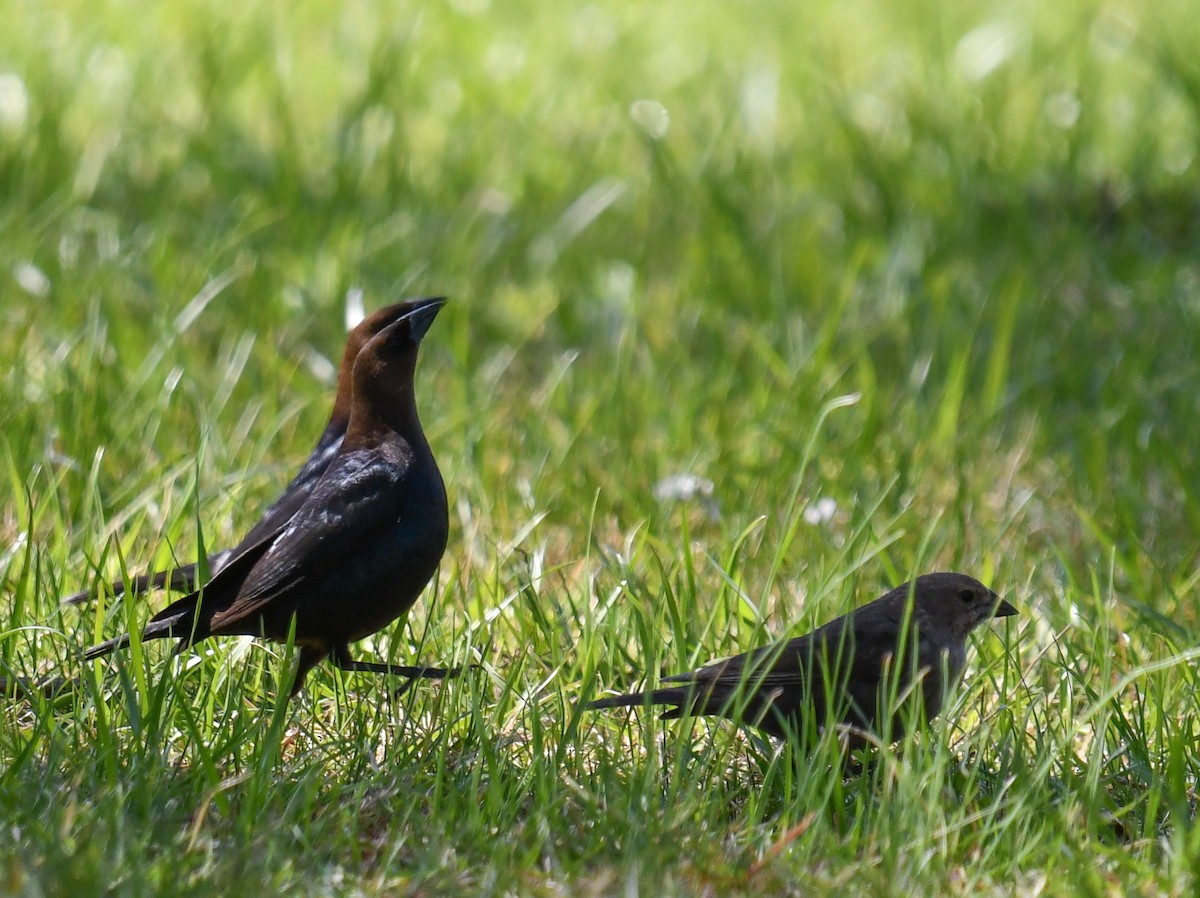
x=360 y=548
x=275 y=518
x=839 y=673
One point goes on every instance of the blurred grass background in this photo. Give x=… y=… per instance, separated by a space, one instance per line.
x=935 y=265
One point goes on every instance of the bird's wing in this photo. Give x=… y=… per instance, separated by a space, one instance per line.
x=854 y=650
x=298 y=490
x=778 y=664
x=855 y=645
x=357 y=498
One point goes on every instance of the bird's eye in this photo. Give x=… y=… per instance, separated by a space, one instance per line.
x=967 y=595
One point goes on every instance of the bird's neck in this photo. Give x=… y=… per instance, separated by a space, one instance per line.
x=376 y=417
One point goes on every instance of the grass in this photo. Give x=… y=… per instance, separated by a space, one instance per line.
x=933 y=263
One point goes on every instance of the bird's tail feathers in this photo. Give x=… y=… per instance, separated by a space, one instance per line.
x=685 y=698
x=177 y=625
x=106 y=648
x=629 y=700
x=179 y=578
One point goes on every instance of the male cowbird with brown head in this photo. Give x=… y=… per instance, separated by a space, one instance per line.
x=909 y=645
x=275 y=518
x=360 y=548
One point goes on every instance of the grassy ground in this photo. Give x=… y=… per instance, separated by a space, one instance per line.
x=934 y=262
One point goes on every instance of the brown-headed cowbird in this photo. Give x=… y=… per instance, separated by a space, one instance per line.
x=839 y=673
x=362 y=545
x=276 y=517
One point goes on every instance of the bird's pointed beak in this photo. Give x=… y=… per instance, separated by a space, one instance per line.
x=1003 y=609
x=420 y=317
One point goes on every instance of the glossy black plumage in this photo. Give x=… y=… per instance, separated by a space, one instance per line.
x=361 y=547
x=838 y=673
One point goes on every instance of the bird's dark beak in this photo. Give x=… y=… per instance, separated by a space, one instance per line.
x=1003 y=609
x=420 y=317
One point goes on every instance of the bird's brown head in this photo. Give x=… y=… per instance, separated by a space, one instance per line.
x=358 y=338
x=956 y=602
x=382 y=391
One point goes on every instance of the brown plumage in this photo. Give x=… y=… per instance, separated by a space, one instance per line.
x=839 y=672
x=275 y=518
x=360 y=548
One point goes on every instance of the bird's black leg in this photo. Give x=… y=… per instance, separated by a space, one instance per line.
x=341 y=658
x=309 y=658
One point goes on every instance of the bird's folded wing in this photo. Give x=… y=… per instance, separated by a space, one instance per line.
x=857 y=654
x=355 y=500
x=292 y=499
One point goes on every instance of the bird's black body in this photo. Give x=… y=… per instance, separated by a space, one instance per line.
x=840 y=672
x=361 y=547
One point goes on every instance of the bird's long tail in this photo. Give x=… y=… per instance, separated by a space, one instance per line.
x=179 y=624
x=180 y=578
x=176 y=579
x=629 y=700
x=676 y=695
